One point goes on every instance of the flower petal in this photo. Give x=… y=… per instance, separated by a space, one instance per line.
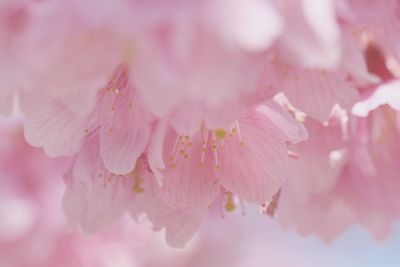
x=188 y=184
x=124 y=133
x=94 y=198
x=179 y=226
x=58 y=130
x=255 y=169
x=294 y=130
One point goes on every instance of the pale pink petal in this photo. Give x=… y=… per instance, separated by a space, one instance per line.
x=253 y=25
x=190 y=115
x=398 y=120
x=189 y=182
x=6 y=102
x=80 y=55
x=378 y=20
x=309 y=40
x=253 y=165
x=370 y=199
x=320 y=160
x=155 y=150
x=316 y=92
x=179 y=226
x=184 y=66
x=58 y=130
x=281 y=118
x=94 y=198
x=358 y=149
x=324 y=215
x=388 y=93
x=125 y=130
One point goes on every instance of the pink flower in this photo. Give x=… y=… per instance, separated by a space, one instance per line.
x=124 y=126
x=247 y=159
x=307 y=203
x=51 y=51
x=312 y=33
x=191 y=63
x=212 y=165
x=316 y=91
x=30 y=212
x=375 y=20
x=97 y=198
x=355 y=181
x=387 y=93
x=167 y=107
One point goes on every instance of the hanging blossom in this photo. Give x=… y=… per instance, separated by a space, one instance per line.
x=168 y=110
x=173 y=177
x=356 y=180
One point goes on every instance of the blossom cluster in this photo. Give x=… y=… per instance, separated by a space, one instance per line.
x=173 y=108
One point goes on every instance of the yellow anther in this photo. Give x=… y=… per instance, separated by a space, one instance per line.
x=229 y=205
x=182 y=151
x=217 y=167
x=220 y=133
x=86 y=130
x=186 y=156
x=137 y=187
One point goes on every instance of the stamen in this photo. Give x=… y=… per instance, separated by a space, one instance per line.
x=239 y=134
x=220 y=133
x=137 y=187
x=215 y=151
x=187 y=147
x=173 y=156
x=182 y=146
x=241 y=203
x=230 y=204
x=270 y=207
x=204 y=147
x=221 y=208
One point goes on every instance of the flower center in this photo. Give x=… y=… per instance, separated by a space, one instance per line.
x=209 y=139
